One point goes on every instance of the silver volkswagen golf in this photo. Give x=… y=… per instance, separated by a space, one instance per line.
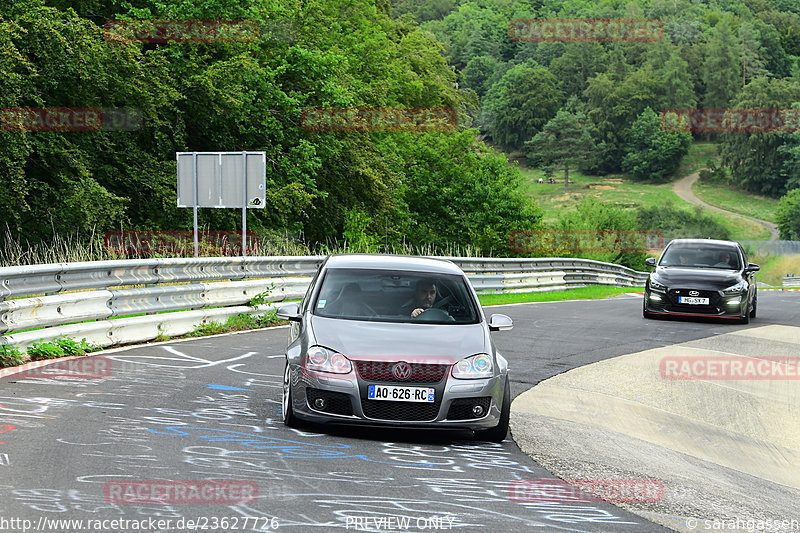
x=394 y=340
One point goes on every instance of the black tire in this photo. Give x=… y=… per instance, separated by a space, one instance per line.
x=746 y=316
x=755 y=306
x=645 y=314
x=499 y=432
x=289 y=418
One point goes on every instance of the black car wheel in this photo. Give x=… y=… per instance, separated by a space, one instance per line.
x=746 y=315
x=499 y=432
x=755 y=306
x=644 y=308
x=289 y=417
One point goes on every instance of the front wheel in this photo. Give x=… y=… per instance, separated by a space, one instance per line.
x=755 y=306
x=645 y=314
x=746 y=316
x=289 y=418
x=499 y=432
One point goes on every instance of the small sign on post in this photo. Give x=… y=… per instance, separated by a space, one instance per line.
x=222 y=180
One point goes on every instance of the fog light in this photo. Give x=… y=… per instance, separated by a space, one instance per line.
x=319 y=404
x=733 y=302
x=477 y=410
x=655 y=297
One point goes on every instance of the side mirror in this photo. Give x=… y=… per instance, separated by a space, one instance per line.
x=290 y=312
x=650 y=261
x=500 y=323
x=752 y=267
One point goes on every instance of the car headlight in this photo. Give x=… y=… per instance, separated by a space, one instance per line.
x=324 y=360
x=475 y=367
x=735 y=289
x=656 y=285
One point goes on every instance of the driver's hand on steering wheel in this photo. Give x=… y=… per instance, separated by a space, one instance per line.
x=416 y=312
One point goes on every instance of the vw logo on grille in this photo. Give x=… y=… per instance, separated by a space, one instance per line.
x=694 y=293
x=401 y=370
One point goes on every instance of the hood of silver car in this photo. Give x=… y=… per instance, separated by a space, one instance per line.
x=399 y=341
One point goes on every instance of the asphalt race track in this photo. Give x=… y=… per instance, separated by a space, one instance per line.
x=208 y=410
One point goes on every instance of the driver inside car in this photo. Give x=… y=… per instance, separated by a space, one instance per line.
x=424 y=296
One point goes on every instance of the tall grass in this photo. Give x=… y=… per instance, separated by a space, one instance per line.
x=18 y=251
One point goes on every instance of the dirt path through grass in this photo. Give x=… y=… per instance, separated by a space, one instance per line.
x=683 y=188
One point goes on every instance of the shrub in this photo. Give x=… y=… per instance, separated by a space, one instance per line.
x=40 y=351
x=10 y=356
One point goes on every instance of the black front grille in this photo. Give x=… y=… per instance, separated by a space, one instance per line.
x=461 y=408
x=713 y=306
x=336 y=403
x=411 y=411
x=381 y=371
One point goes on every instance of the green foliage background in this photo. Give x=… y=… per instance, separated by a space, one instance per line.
x=429 y=189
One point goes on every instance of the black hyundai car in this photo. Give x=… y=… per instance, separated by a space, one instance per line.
x=702 y=278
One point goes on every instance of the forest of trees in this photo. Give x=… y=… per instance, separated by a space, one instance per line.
x=432 y=188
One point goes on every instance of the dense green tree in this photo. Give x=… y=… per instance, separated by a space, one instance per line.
x=753 y=64
x=755 y=160
x=787 y=215
x=565 y=139
x=520 y=104
x=722 y=66
x=652 y=153
x=577 y=64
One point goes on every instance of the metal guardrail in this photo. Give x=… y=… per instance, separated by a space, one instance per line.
x=82 y=300
x=791 y=281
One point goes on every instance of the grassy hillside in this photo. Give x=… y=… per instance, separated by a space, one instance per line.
x=625 y=193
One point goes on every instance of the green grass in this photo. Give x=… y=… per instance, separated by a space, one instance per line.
x=240 y=322
x=700 y=155
x=741 y=202
x=594 y=292
x=614 y=189
x=774 y=268
x=620 y=191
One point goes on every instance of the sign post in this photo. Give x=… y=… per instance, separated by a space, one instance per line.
x=222 y=180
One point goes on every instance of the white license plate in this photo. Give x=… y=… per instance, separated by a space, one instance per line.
x=400 y=394
x=691 y=300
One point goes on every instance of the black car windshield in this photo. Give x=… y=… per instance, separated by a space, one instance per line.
x=701 y=256
x=395 y=296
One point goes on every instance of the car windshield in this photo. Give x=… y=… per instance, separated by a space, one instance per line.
x=701 y=256
x=395 y=296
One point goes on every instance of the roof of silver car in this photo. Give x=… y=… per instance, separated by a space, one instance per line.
x=703 y=241
x=393 y=262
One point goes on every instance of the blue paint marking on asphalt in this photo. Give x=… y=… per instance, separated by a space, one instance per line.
x=261 y=443
x=226 y=387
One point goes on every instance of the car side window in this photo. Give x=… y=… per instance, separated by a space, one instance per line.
x=307 y=297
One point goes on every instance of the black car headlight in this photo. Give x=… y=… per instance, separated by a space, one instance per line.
x=656 y=285
x=735 y=289
x=322 y=359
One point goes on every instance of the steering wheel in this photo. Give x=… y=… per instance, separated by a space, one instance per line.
x=434 y=315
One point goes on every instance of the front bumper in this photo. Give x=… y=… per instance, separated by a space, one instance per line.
x=345 y=399
x=720 y=305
